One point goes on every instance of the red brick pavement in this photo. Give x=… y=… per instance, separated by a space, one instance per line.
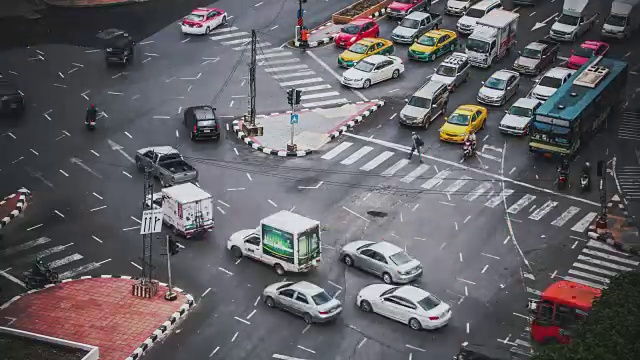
x=99 y=311
x=9 y=205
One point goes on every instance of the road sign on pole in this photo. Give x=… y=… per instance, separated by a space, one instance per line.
x=294 y=119
x=151 y=221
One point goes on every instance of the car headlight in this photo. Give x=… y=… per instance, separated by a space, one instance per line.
x=352 y=39
x=407 y=272
x=109 y=49
x=464 y=134
x=441 y=131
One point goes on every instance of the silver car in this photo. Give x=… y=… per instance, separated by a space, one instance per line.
x=304 y=299
x=499 y=88
x=384 y=259
x=517 y=119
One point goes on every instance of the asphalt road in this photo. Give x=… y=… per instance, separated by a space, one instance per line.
x=480 y=254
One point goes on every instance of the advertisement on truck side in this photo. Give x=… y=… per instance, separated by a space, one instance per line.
x=277 y=243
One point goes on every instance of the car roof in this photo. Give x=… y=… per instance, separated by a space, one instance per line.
x=440 y=32
x=374 y=59
x=526 y=103
x=558 y=72
x=467 y=109
x=360 y=21
x=536 y=46
x=306 y=287
x=201 y=107
x=503 y=74
x=203 y=10
x=416 y=15
x=591 y=44
x=411 y=292
x=368 y=40
x=385 y=248
x=429 y=88
x=161 y=150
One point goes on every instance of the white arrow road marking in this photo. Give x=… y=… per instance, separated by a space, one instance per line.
x=82 y=165
x=120 y=149
x=539 y=25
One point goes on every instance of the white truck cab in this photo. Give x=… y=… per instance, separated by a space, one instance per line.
x=287 y=241
x=187 y=209
x=574 y=21
x=494 y=34
x=623 y=19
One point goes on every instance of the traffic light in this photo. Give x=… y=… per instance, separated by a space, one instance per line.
x=173 y=246
x=290 y=96
x=600 y=170
x=298 y=94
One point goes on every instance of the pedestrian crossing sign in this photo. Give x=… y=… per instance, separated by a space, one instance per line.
x=294 y=119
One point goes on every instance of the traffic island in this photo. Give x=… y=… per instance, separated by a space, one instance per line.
x=98 y=311
x=314 y=128
x=12 y=206
x=617 y=229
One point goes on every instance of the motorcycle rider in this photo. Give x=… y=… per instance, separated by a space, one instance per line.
x=92 y=114
x=564 y=168
x=586 y=169
x=39 y=269
x=471 y=137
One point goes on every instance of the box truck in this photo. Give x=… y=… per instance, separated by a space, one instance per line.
x=187 y=209
x=494 y=35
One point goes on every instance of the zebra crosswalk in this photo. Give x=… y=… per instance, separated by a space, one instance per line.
x=283 y=66
x=629 y=128
x=629 y=180
x=451 y=183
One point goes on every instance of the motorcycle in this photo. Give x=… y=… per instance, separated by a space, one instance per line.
x=40 y=275
x=585 y=182
x=91 y=124
x=468 y=149
x=563 y=179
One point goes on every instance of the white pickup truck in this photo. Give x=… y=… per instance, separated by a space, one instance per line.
x=574 y=21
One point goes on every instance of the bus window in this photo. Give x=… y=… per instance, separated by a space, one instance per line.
x=545 y=314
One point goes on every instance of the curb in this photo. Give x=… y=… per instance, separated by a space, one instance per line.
x=605 y=238
x=283 y=153
x=379 y=13
x=20 y=206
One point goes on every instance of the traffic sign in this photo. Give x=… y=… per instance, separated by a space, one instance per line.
x=294 y=119
x=151 y=221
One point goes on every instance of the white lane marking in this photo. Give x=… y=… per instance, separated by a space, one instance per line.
x=599 y=245
x=415 y=348
x=285 y=357
x=484 y=186
x=226 y=36
x=272 y=203
x=299 y=82
x=436 y=180
x=415 y=207
x=325 y=102
x=362 y=343
x=34 y=227
x=223 y=30
x=243 y=320
x=332 y=72
x=356 y=155
x=450 y=204
x=224 y=203
x=59 y=213
x=484 y=269
x=249 y=176
x=520 y=204
x=356 y=214
x=225 y=270
x=131 y=228
x=543 y=210
x=395 y=167
x=610 y=257
x=415 y=173
x=98 y=208
x=11 y=278
x=235 y=336
x=568 y=214
x=233 y=42
x=594 y=269
x=126 y=173
x=235 y=189
x=582 y=225
x=10 y=134
x=451 y=189
x=460 y=255
x=283 y=68
x=98 y=196
x=96 y=238
x=494 y=201
x=252 y=313
x=136 y=265
x=64 y=173
x=214 y=351
x=136 y=220
x=467 y=281
x=129 y=135
x=247 y=47
x=94 y=153
x=334 y=284
x=256 y=302
x=220 y=209
x=258 y=4
x=305 y=349
x=335 y=151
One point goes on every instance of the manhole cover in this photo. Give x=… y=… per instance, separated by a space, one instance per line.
x=378 y=214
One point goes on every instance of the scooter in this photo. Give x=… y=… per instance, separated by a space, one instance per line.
x=91 y=125
x=563 y=179
x=585 y=182
x=468 y=149
x=34 y=279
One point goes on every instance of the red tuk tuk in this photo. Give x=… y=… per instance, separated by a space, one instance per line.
x=562 y=306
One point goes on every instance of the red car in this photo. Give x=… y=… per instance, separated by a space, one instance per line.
x=355 y=30
x=202 y=20
x=581 y=54
x=402 y=8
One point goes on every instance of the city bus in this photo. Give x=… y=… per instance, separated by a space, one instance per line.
x=579 y=108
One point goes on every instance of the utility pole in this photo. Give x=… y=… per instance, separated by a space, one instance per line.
x=602 y=221
x=293 y=98
x=172 y=249
x=252 y=79
x=301 y=32
x=146 y=287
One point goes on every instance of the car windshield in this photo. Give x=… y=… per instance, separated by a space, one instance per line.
x=583 y=52
x=359 y=48
x=568 y=20
x=390 y=291
x=350 y=29
x=204 y=114
x=616 y=20
x=531 y=53
x=410 y=23
x=551 y=82
x=321 y=298
x=478 y=46
x=495 y=83
x=520 y=111
x=429 y=302
x=427 y=40
x=444 y=70
x=458 y=119
x=195 y=17
x=419 y=102
x=475 y=13
x=364 y=66
x=205 y=123
x=400 y=258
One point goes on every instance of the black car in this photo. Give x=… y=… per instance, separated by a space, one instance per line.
x=118 y=46
x=201 y=122
x=11 y=100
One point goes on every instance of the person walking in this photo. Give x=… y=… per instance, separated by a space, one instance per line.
x=417 y=145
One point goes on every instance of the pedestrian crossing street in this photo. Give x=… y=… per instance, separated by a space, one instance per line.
x=61 y=258
x=450 y=183
x=283 y=66
x=629 y=128
x=629 y=180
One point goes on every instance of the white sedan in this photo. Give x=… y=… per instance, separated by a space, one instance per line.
x=407 y=304
x=371 y=70
x=202 y=20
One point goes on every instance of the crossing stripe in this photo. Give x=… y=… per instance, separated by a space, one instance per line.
x=218 y=31
x=282 y=68
x=295 y=74
x=238 y=41
x=336 y=150
x=79 y=270
x=524 y=201
x=594 y=269
x=581 y=225
x=325 y=102
x=609 y=248
x=603 y=263
x=562 y=219
x=415 y=173
x=25 y=246
x=298 y=82
x=314 y=88
x=543 y=210
x=272 y=50
x=356 y=155
x=320 y=95
x=484 y=186
x=377 y=161
x=436 y=180
x=226 y=36
x=43 y=253
x=395 y=167
x=494 y=201
x=584 y=282
x=457 y=185
x=589 y=276
x=610 y=257
x=266 y=56
x=247 y=47
x=65 y=260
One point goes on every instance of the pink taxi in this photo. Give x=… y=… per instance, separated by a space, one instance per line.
x=202 y=20
x=581 y=54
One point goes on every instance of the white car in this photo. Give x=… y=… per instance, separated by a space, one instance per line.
x=202 y=20
x=499 y=88
x=517 y=119
x=407 y=304
x=551 y=81
x=371 y=70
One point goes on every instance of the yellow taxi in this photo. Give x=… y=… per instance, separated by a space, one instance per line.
x=363 y=48
x=466 y=119
x=432 y=44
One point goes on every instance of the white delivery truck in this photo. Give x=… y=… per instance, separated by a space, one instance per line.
x=574 y=21
x=495 y=33
x=284 y=240
x=187 y=209
x=623 y=19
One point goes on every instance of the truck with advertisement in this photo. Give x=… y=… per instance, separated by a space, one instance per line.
x=623 y=19
x=575 y=20
x=561 y=308
x=579 y=108
x=187 y=209
x=493 y=36
x=286 y=241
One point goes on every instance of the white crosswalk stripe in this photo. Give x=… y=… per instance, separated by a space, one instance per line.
x=227 y=36
x=25 y=246
x=582 y=225
x=64 y=261
x=356 y=155
x=336 y=150
x=594 y=269
x=602 y=263
x=325 y=102
x=415 y=173
x=313 y=88
x=248 y=47
x=543 y=210
x=238 y=41
x=267 y=56
x=223 y=30
x=520 y=204
x=44 y=253
x=272 y=50
x=457 y=185
x=568 y=214
x=377 y=161
x=494 y=201
x=283 y=68
x=584 y=282
x=295 y=74
x=300 y=82
x=319 y=95
x=481 y=189
x=589 y=276
x=610 y=257
x=436 y=180
x=395 y=167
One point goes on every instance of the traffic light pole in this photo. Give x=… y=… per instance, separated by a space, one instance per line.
x=293 y=111
x=170 y=295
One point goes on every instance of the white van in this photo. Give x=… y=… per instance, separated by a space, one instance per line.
x=187 y=209
x=467 y=23
x=284 y=240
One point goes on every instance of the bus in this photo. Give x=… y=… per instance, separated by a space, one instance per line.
x=578 y=109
